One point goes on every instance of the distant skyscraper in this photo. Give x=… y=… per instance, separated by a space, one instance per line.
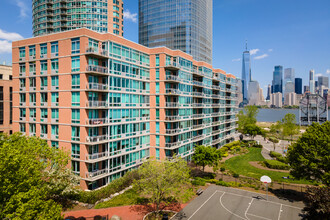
x=298 y=85
x=246 y=73
x=51 y=16
x=289 y=74
x=323 y=81
x=277 y=84
x=269 y=91
x=306 y=89
x=311 y=82
x=254 y=93
x=183 y=24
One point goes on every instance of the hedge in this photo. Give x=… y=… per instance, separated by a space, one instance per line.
x=278 y=157
x=274 y=164
x=115 y=186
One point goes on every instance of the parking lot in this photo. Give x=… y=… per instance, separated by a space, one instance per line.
x=218 y=202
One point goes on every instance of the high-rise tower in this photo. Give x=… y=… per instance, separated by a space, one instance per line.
x=51 y=16
x=277 y=84
x=246 y=73
x=183 y=24
x=311 y=82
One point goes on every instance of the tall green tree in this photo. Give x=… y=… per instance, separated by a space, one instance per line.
x=309 y=157
x=34 y=180
x=252 y=130
x=246 y=117
x=162 y=180
x=206 y=155
x=289 y=125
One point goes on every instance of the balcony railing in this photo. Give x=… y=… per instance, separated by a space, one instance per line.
x=97 y=69
x=173 y=78
x=97 y=51
x=95 y=139
x=97 y=86
x=97 y=104
x=173 y=91
x=97 y=155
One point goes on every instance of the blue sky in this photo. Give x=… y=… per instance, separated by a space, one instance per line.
x=292 y=33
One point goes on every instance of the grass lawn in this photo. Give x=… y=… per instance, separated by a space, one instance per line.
x=240 y=165
x=130 y=197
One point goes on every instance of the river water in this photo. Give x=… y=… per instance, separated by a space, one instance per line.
x=274 y=115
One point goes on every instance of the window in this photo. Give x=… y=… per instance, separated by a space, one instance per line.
x=75 y=133
x=157 y=100
x=22 y=98
x=32 y=99
x=22 y=112
x=75 y=165
x=43 y=50
x=55 y=82
x=54 y=144
x=1 y=113
x=75 y=64
x=157 y=140
x=54 y=66
x=43 y=67
x=55 y=98
x=157 y=127
x=157 y=88
x=43 y=98
x=54 y=49
x=75 y=116
x=157 y=114
x=43 y=83
x=1 y=76
x=32 y=82
x=157 y=74
x=32 y=52
x=32 y=68
x=43 y=129
x=55 y=113
x=33 y=129
x=75 y=98
x=75 y=81
x=22 y=68
x=33 y=113
x=55 y=130
x=157 y=154
x=22 y=127
x=22 y=52
x=75 y=46
x=44 y=113
x=157 y=60
x=75 y=151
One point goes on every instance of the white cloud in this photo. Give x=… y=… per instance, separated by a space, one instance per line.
x=23 y=8
x=10 y=36
x=328 y=71
x=254 y=51
x=270 y=50
x=261 y=57
x=5 y=46
x=236 y=60
x=319 y=74
x=130 y=16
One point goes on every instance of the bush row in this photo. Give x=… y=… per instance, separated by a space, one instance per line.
x=278 y=157
x=115 y=186
x=274 y=164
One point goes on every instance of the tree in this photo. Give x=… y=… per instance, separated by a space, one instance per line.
x=309 y=156
x=274 y=140
x=35 y=183
x=253 y=130
x=247 y=116
x=206 y=155
x=162 y=180
x=289 y=127
x=317 y=203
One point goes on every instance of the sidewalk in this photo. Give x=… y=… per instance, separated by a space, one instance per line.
x=136 y=212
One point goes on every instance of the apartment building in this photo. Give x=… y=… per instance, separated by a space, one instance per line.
x=6 y=98
x=52 y=16
x=113 y=103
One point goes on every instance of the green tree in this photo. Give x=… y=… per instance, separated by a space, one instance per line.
x=35 y=183
x=206 y=155
x=246 y=117
x=252 y=130
x=274 y=141
x=161 y=181
x=309 y=157
x=317 y=203
x=289 y=127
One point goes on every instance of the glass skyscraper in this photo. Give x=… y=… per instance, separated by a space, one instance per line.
x=246 y=74
x=182 y=24
x=277 y=85
x=298 y=85
x=51 y=16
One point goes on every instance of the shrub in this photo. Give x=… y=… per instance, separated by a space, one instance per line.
x=226 y=184
x=222 y=169
x=198 y=181
x=257 y=146
x=115 y=186
x=278 y=157
x=213 y=181
x=274 y=164
x=236 y=175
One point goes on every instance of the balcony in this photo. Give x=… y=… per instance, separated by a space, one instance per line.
x=97 y=52
x=173 y=92
x=198 y=137
x=97 y=155
x=198 y=126
x=95 y=139
x=172 y=145
x=196 y=105
x=173 y=78
x=172 y=104
x=198 y=94
x=197 y=83
x=97 y=173
x=97 y=69
x=97 y=86
x=97 y=104
x=172 y=66
x=173 y=131
x=198 y=116
x=98 y=121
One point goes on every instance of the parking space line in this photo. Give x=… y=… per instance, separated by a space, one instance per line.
x=257 y=216
x=279 y=214
x=202 y=204
x=248 y=208
x=228 y=209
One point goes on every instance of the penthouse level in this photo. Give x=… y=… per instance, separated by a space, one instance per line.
x=113 y=103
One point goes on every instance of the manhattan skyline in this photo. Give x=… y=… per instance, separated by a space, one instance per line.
x=291 y=34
